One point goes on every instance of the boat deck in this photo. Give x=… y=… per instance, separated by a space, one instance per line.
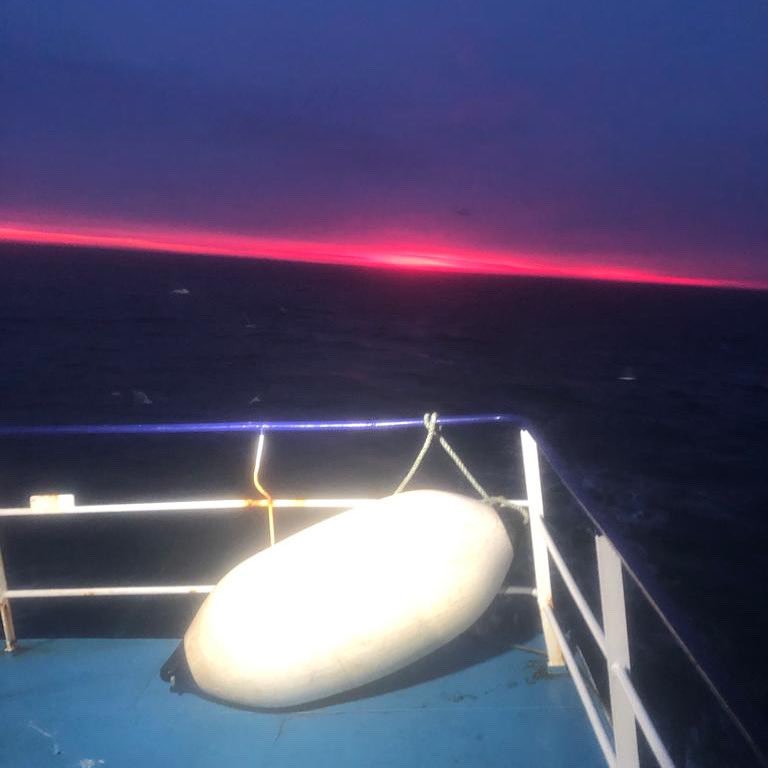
x=74 y=703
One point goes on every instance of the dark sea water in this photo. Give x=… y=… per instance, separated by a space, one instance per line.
x=655 y=397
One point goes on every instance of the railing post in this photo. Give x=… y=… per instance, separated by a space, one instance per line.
x=5 y=610
x=539 y=545
x=616 y=650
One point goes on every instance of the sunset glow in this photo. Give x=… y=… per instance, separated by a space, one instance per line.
x=385 y=253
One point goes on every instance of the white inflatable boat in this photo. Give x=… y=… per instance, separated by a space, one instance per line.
x=347 y=601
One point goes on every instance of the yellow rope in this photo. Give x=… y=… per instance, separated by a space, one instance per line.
x=262 y=491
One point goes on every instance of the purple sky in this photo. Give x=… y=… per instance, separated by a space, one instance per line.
x=633 y=136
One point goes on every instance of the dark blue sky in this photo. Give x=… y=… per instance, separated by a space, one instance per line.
x=629 y=134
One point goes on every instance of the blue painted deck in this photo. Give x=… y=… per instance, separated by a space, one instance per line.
x=88 y=703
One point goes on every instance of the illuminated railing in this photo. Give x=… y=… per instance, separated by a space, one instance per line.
x=617 y=741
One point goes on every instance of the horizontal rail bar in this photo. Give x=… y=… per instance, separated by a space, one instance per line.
x=576 y=594
x=251 y=426
x=581 y=689
x=212 y=505
x=642 y=717
x=518 y=591
x=26 y=594
x=190 y=589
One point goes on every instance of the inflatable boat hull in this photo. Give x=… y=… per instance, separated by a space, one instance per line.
x=348 y=600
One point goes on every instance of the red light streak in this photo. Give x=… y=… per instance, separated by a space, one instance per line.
x=389 y=253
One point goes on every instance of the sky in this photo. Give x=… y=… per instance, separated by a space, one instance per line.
x=613 y=140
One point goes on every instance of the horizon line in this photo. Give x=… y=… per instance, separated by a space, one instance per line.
x=378 y=255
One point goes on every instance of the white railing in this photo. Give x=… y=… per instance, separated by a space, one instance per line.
x=618 y=743
x=626 y=707
x=64 y=504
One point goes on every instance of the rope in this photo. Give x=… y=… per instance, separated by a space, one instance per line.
x=430 y=422
x=463 y=469
x=264 y=493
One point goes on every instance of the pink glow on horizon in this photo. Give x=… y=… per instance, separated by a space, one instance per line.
x=385 y=253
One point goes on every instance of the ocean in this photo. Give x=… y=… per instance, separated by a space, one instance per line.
x=656 y=397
